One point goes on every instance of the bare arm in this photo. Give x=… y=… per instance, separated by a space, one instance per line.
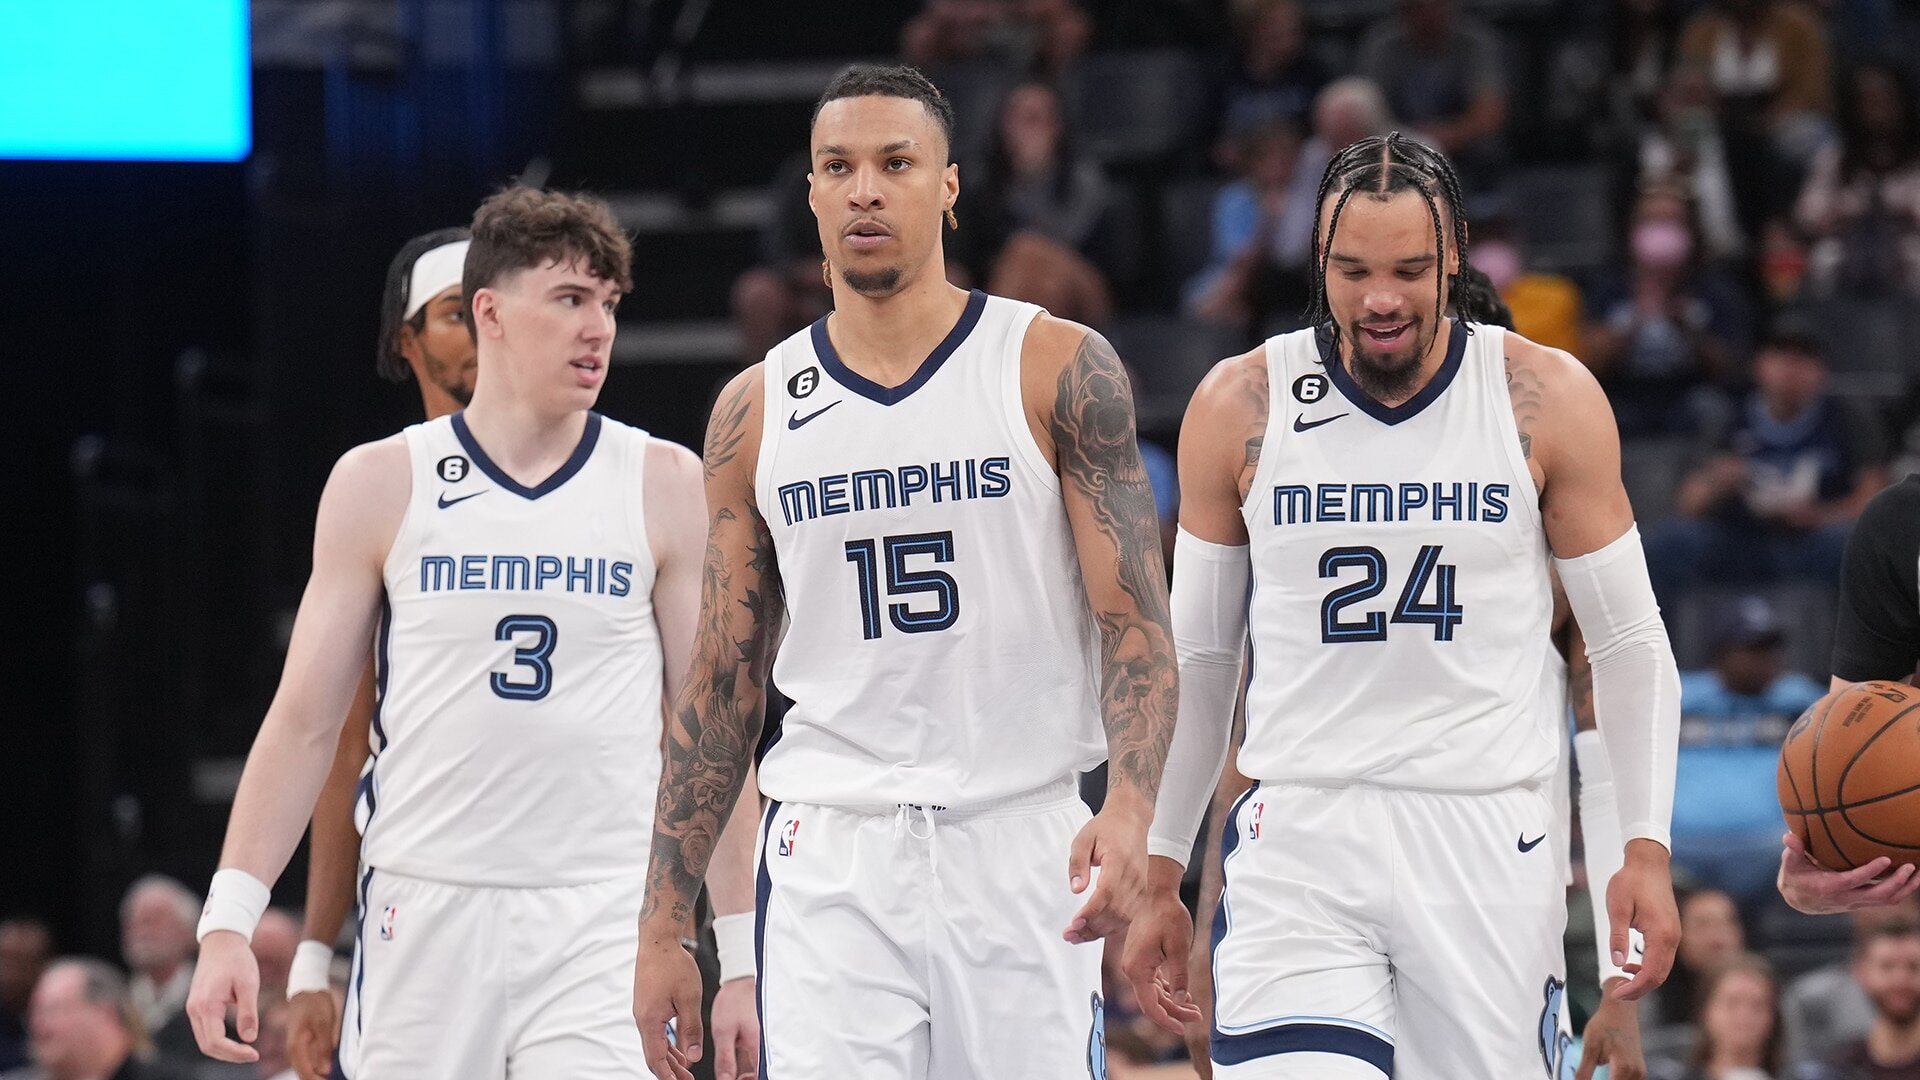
x=333 y=855
x=1116 y=532
x=717 y=714
x=360 y=513
x=676 y=509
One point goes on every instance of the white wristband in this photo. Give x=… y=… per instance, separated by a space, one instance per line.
x=733 y=939
x=312 y=970
x=235 y=901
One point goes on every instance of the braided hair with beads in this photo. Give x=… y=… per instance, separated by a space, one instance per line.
x=1383 y=165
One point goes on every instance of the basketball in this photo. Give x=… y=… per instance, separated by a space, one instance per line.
x=1849 y=776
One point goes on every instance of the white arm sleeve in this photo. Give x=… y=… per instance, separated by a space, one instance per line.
x=1600 y=825
x=1636 y=686
x=1209 y=635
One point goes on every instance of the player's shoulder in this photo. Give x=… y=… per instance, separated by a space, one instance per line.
x=1236 y=386
x=375 y=464
x=1561 y=381
x=1053 y=344
x=672 y=470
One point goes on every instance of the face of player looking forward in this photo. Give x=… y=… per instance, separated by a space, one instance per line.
x=1383 y=279
x=551 y=328
x=880 y=183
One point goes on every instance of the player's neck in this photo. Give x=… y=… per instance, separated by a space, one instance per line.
x=885 y=338
x=1889 y=1043
x=528 y=442
x=437 y=402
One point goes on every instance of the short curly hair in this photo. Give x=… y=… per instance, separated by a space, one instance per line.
x=519 y=228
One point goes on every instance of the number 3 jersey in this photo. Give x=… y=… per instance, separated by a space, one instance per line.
x=1401 y=598
x=939 y=647
x=518 y=666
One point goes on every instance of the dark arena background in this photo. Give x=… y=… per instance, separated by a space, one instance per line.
x=1731 y=244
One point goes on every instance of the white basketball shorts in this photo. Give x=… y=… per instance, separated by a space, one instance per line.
x=1367 y=932
x=917 y=943
x=461 y=982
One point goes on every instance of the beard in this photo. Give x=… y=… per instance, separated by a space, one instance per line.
x=1899 y=1008
x=1387 y=376
x=883 y=282
x=448 y=377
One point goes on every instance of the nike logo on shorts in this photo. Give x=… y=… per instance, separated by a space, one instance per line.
x=796 y=421
x=1527 y=845
x=1301 y=423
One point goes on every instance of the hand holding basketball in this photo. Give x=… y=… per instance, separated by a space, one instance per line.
x=1849 y=784
x=1808 y=888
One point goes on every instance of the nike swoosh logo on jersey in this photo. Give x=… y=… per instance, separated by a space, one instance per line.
x=1301 y=423
x=446 y=502
x=1527 y=845
x=796 y=421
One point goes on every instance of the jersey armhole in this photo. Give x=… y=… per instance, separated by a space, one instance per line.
x=1496 y=383
x=639 y=444
x=770 y=387
x=419 y=452
x=1014 y=399
x=1272 y=435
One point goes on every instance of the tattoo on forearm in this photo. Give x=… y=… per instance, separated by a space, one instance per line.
x=716 y=719
x=1093 y=429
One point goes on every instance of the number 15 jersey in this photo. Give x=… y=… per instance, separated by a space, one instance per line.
x=1400 y=591
x=939 y=648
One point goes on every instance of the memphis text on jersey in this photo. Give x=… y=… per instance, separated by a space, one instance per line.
x=525 y=573
x=1301 y=504
x=885 y=489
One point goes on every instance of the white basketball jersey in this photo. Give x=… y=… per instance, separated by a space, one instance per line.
x=517 y=732
x=1400 y=599
x=939 y=647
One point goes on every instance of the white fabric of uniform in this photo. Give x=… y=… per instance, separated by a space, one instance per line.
x=509 y=802
x=1605 y=852
x=1554 y=713
x=917 y=943
x=468 y=785
x=1636 y=684
x=1394 y=887
x=1406 y=710
x=456 y=982
x=908 y=688
x=1367 y=932
x=1210 y=637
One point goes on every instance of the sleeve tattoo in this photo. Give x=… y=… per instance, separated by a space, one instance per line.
x=1099 y=462
x=716 y=720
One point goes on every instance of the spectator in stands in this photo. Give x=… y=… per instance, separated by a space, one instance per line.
x=157 y=921
x=1791 y=474
x=1642 y=41
x=1861 y=205
x=1769 y=62
x=1035 y=217
x=1042 y=37
x=25 y=947
x=1547 y=308
x=1441 y=73
x=1682 y=148
x=1711 y=936
x=1347 y=111
x=1887 y=966
x=1739 y=1037
x=786 y=290
x=1827 y=1008
x=1249 y=278
x=86 y=1026
x=1733 y=717
x=1663 y=336
x=1272 y=79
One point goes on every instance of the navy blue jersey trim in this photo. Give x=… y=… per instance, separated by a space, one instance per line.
x=1413 y=406
x=1303 y=1038
x=890 y=395
x=762 y=893
x=564 y=473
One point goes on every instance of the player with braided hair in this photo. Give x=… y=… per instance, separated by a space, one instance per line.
x=1395 y=484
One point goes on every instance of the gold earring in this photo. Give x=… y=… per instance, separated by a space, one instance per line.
x=952 y=222
x=826 y=272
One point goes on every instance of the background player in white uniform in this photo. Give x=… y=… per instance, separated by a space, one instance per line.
x=942 y=493
x=1391 y=481
x=530 y=570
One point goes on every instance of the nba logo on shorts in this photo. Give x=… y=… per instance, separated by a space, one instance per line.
x=1253 y=824
x=386 y=923
x=789 y=835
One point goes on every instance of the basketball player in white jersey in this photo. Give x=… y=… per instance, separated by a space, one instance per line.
x=1394 y=484
x=530 y=570
x=942 y=494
